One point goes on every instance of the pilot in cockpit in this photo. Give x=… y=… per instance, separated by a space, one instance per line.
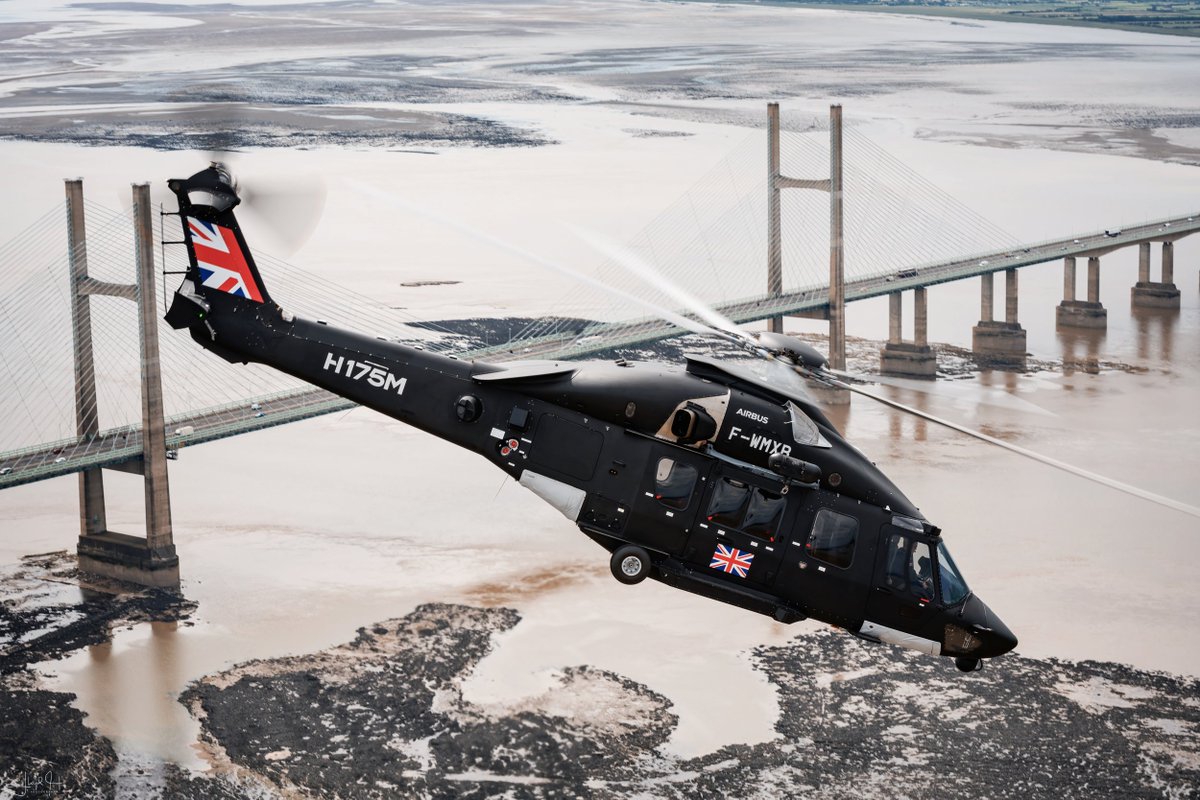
x=922 y=579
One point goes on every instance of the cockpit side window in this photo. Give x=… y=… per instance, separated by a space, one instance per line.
x=920 y=575
x=954 y=588
x=804 y=430
x=897 y=567
x=909 y=568
x=674 y=483
x=832 y=538
x=746 y=508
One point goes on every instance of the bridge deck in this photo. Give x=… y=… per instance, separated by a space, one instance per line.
x=124 y=445
x=118 y=446
x=1082 y=245
x=816 y=299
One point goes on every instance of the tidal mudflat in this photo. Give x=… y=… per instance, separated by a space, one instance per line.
x=385 y=715
x=513 y=122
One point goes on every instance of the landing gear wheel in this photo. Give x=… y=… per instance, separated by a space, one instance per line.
x=966 y=664
x=630 y=564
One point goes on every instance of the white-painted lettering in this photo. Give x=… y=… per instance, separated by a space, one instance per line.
x=378 y=376
x=769 y=446
x=748 y=414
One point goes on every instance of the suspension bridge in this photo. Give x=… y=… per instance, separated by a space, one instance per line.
x=92 y=385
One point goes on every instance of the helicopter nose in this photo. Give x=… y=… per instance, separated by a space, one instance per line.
x=982 y=622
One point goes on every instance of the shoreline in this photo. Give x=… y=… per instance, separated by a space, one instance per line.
x=972 y=12
x=294 y=539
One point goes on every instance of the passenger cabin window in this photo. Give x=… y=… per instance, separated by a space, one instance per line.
x=746 y=508
x=729 y=501
x=763 y=515
x=674 y=483
x=832 y=538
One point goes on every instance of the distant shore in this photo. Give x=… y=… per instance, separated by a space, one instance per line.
x=1142 y=16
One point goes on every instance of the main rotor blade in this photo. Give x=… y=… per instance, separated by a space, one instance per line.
x=642 y=269
x=1053 y=462
x=973 y=394
x=670 y=316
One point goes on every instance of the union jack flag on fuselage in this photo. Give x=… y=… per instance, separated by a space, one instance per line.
x=731 y=560
x=222 y=264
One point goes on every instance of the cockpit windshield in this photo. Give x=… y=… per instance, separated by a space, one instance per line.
x=954 y=588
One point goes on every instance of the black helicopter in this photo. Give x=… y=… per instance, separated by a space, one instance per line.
x=708 y=477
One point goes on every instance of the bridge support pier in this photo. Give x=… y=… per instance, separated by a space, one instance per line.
x=914 y=359
x=1147 y=294
x=835 y=311
x=151 y=561
x=92 y=518
x=1072 y=313
x=995 y=343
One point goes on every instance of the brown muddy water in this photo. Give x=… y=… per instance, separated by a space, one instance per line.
x=327 y=525
x=293 y=538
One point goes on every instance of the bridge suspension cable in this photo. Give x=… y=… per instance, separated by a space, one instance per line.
x=37 y=318
x=712 y=240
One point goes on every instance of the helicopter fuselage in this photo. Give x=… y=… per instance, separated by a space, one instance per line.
x=706 y=477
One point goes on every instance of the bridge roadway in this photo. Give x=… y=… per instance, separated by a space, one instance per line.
x=815 y=300
x=121 y=448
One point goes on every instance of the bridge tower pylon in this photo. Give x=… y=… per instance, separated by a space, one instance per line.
x=835 y=311
x=151 y=561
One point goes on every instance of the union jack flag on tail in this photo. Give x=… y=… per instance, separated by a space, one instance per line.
x=731 y=560
x=222 y=264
